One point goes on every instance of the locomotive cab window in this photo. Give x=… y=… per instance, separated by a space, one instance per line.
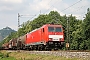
x=51 y=29
x=54 y=29
x=58 y=29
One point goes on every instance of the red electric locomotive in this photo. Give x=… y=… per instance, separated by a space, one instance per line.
x=48 y=36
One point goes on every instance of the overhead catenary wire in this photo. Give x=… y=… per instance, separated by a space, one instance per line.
x=53 y=6
x=71 y=6
x=40 y=12
x=78 y=10
x=32 y=17
x=82 y=15
x=49 y=2
x=63 y=9
x=22 y=16
x=50 y=7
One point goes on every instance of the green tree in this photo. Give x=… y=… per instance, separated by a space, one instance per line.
x=87 y=28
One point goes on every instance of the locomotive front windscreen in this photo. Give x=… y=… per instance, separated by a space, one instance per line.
x=54 y=29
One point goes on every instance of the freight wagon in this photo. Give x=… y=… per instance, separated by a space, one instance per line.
x=21 y=42
x=5 y=46
x=13 y=43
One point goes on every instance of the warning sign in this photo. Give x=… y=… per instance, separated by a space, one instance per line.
x=67 y=45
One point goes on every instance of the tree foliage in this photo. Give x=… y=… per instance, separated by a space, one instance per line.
x=86 y=24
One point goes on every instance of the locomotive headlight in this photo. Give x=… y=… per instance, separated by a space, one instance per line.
x=50 y=39
x=60 y=38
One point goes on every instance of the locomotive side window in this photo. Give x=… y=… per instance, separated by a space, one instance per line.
x=43 y=29
x=51 y=29
x=58 y=29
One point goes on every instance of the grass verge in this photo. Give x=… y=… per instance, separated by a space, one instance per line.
x=28 y=56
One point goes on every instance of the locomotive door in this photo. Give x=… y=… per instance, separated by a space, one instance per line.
x=42 y=34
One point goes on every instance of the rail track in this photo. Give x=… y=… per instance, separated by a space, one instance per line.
x=67 y=54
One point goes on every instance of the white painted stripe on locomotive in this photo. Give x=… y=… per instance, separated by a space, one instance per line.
x=36 y=43
x=55 y=36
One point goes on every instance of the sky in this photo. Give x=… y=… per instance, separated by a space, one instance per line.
x=30 y=9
